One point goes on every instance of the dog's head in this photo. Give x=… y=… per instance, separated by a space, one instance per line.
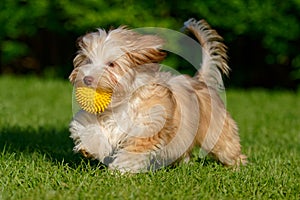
x=104 y=58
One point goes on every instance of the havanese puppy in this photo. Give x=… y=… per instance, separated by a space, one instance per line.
x=140 y=118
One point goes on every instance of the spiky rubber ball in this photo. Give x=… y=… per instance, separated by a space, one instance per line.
x=91 y=100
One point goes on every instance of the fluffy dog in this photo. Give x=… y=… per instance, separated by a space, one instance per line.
x=154 y=118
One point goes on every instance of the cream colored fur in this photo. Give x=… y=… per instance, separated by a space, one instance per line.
x=154 y=118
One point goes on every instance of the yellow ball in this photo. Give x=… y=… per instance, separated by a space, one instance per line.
x=92 y=100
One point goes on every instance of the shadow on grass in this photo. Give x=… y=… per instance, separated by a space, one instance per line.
x=57 y=146
x=54 y=143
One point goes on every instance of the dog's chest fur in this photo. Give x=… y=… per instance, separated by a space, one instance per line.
x=143 y=121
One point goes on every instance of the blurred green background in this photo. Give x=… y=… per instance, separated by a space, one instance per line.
x=38 y=36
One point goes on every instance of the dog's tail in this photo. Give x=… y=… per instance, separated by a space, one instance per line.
x=214 y=57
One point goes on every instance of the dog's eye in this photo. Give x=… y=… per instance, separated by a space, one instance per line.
x=110 y=64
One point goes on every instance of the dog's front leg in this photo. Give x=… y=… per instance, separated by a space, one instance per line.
x=145 y=137
x=89 y=137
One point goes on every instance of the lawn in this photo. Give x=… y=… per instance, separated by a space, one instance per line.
x=37 y=162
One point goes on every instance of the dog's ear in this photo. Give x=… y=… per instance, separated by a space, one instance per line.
x=73 y=75
x=147 y=49
x=80 y=58
x=146 y=56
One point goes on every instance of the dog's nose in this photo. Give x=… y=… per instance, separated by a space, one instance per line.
x=88 y=80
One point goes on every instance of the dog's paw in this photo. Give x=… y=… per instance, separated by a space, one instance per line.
x=131 y=162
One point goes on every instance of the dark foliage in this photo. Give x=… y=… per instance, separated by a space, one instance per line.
x=38 y=36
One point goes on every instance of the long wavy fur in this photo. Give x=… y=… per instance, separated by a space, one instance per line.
x=154 y=118
x=214 y=57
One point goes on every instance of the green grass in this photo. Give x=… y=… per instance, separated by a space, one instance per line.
x=37 y=162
